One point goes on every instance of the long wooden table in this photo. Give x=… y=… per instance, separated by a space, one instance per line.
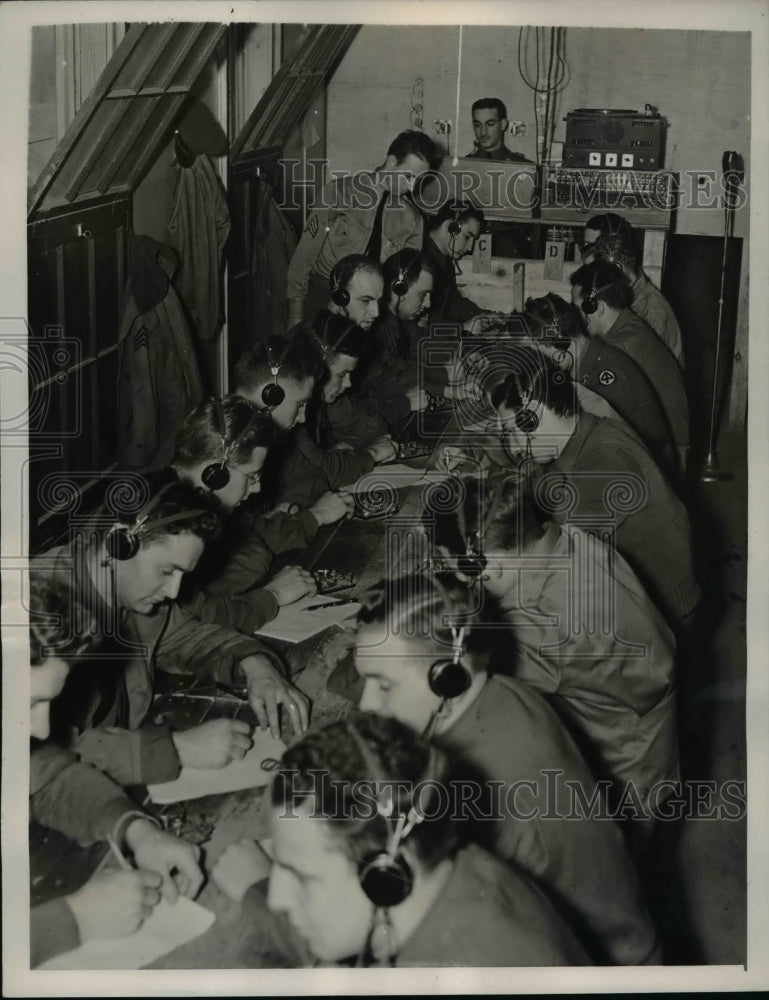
x=368 y=549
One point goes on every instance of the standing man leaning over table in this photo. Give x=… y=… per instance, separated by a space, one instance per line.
x=128 y=575
x=367 y=213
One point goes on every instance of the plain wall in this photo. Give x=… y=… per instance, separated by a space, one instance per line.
x=699 y=81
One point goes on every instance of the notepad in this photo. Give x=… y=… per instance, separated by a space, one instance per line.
x=167 y=927
x=194 y=783
x=296 y=622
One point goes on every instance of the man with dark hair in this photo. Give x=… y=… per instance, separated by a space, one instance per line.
x=604 y=294
x=489 y=125
x=392 y=385
x=613 y=486
x=605 y=224
x=126 y=568
x=315 y=459
x=607 y=371
x=453 y=232
x=363 y=213
x=355 y=288
x=277 y=362
x=231 y=585
x=648 y=301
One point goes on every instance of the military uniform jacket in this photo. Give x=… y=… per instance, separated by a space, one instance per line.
x=651 y=305
x=608 y=669
x=112 y=716
x=341 y=224
x=512 y=736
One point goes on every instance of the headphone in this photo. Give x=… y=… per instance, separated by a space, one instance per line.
x=455 y=227
x=339 y=295
x=272 y=393
x=555 y=326
x=449 y=677
x=473 y=562
x=216 y=475
x=401 y=284
x=322 y=341
x=589 y=302
x=385 y=876
x=526 y=419
x=123 y=541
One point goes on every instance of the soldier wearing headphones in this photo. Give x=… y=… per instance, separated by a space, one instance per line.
x=586 y=617
x=424 y=649
x=362 y=213
x=604 y=369
x=127 y=569
x=355 y=287
x=221 y=447
x=648 y=301
x=318 y=458
x=604 y=295
x=367 y=867
x=390 y=383
x=452 y=235
x=611 y=482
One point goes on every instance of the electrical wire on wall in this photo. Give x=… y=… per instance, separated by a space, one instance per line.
x=459 y=89
x=551 y=74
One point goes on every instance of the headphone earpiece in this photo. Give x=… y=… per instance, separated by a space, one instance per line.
x=526 y=419
x=472 y=564
x=385 y=876
x=339 y=295
x=272 y=393
x=216 y=476
x=449 y=678
x=121 y=543
x=455 y=227
x=401 y=284
x=386 y=880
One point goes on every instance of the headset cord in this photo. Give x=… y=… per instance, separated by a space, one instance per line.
x=380 y=949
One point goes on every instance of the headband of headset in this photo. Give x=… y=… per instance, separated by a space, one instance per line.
x=123 y=541
x=448 y=677
x=590 y=301
x=216 y=475
x=385 y=876
x=402 y=283
x=457 y=209
x=322 y=342
x=273 y=394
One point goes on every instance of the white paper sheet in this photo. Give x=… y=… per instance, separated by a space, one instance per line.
x=295 y=622
x=194 y=783
x=167 y=927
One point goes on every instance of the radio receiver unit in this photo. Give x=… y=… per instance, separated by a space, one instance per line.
x=615 y=140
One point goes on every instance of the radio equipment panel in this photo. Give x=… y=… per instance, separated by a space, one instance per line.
x=614 y=140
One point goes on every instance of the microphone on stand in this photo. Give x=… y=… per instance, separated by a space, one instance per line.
x=733 y=170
